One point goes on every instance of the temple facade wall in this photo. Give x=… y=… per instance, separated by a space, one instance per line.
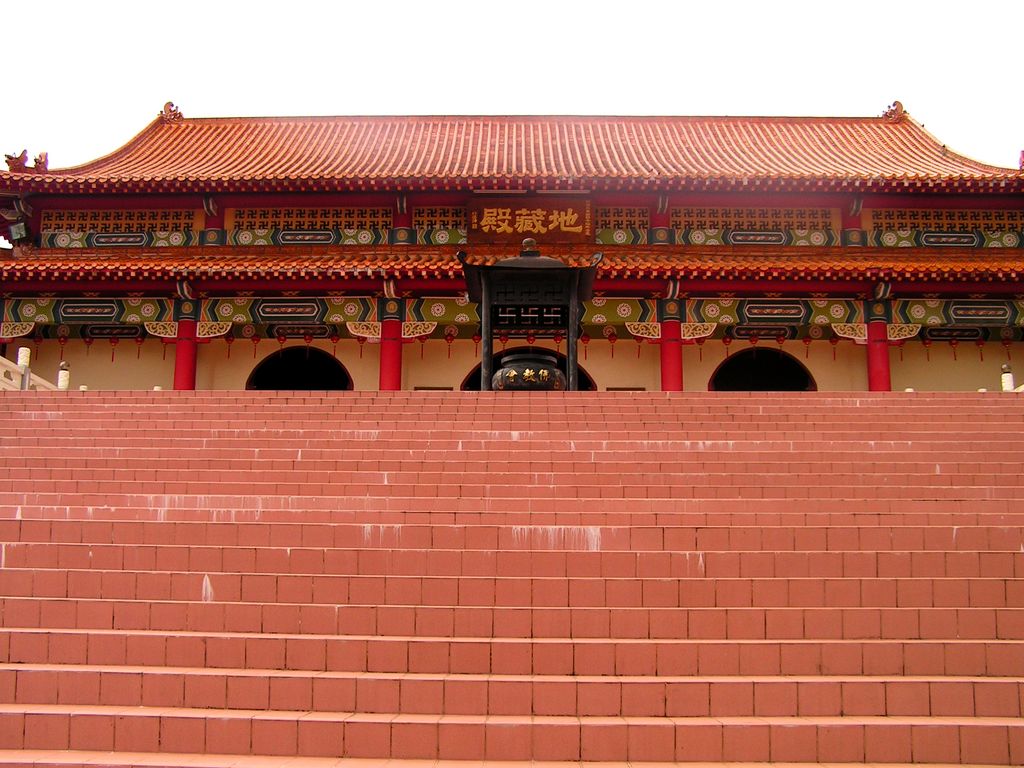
x=429 y=366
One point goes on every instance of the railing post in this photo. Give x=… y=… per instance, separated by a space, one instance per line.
x=64 y=376
x=1006 y=382
x=24 y=365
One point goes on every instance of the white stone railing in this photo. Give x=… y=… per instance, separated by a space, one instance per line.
x=19 y=376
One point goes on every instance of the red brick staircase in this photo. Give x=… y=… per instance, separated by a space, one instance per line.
x=548 y=577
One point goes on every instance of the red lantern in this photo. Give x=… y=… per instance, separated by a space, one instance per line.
x=335 y=338
x=927 y=349
x=423 y=345
x=255 y=342
x=980 y=344
x=229 y=340
x=139 y=341
x=727 y=340
x=62 y=340
x=361 y=340
x=531 y=339
x=834 y=341
x=476 y=344
x=503 y=338
x=780 y=340
x=585 y=340
x=639 y=346
x=88 y=344
x=700 y=348
x=953 y=343
x=900 y=344
x=113 y=347
x=1006 y=346
x=612 y=338
x=281 y=339
x=807 y=346
x=558 y=341
x=753 y=339
x=448 y=339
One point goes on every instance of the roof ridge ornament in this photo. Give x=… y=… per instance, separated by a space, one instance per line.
x=895 y=113
x=18 y=163
x=171 y=114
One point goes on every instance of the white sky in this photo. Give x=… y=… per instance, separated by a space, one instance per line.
x=84 y=77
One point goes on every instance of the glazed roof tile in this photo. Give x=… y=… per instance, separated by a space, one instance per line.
x=502 y=152
x=711 y=262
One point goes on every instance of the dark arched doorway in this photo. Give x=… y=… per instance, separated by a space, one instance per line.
x=299 y=368
x=761 y=370
x=472 y=382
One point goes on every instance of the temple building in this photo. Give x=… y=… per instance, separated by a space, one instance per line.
x=732 y=253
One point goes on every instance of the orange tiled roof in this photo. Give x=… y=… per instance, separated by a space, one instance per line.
x=712 y=262
x=598 y=153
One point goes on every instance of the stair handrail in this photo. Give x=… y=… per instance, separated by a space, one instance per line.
x=18 y=376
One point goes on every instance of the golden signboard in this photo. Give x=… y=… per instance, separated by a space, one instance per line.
x=510 y=220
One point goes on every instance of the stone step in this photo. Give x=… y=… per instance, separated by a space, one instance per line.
x=597 y=482
x=39 y=758
x=269 y=587
x=42 y=758
x=618 y=540
x=717 y=447
x=484 y=492
x=409 y=736
x=429 y=562
x=577 y=454
x=554 y=622
x=487 y=694
x=618 y=442
x=512 y=656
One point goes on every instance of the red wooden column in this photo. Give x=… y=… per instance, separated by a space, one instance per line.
x=392 y=314
x=185 y=353
x=671 y=357
x=670 y=312
x=877 y=314
x=392 y=311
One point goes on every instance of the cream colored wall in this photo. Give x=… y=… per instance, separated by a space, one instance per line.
x=96 y=371
x=944 y=374
x=625 y=369
x=435 y=369
x=214 y=370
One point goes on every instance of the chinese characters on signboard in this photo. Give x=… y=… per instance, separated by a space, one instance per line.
x=544 y=219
